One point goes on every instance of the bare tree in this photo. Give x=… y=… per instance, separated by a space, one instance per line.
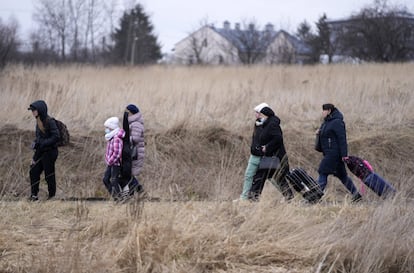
x=76 y=24
x=8 y=41
x=246 y=43
x=95 y=29
x=40 y=52
x=110 y=12
x=196 y=47
x=281 y=53
x=76 y=8
x=251 y=42
x=90 y=28
x=197 y=51
x=379 y=32
x=53 y=16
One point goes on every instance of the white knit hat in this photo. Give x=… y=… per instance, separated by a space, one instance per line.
x=112 y=123
x=259 y=107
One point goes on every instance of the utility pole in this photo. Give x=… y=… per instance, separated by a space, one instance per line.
x=134 y=42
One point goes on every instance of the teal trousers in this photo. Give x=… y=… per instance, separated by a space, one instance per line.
x=251 y=169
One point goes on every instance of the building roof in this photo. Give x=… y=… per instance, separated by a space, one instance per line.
x=239 y=38
x=300 y=46
x=266 y=36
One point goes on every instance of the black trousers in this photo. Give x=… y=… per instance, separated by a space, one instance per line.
x=113 y=181
x=278 y=175
x=46 y=164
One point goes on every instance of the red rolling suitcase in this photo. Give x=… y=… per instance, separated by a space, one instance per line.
x=364 y=171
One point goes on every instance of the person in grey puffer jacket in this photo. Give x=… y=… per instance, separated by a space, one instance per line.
x=332 y=143
x=46 y=151
x=136 y=127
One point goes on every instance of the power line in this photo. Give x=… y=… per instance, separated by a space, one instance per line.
x=16 y=10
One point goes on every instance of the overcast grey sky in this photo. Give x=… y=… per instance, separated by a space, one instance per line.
x=175 y=19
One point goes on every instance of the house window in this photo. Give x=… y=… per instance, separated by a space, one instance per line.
x=204 y=44
x=190 y=60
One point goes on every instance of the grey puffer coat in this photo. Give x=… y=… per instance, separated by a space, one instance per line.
x=333 y=143
x=136 y=126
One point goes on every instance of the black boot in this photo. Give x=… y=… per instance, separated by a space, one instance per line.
x=356 y=198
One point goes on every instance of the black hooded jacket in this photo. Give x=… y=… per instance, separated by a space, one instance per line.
x=45 y=140
x=271 y=136
x=255 y=148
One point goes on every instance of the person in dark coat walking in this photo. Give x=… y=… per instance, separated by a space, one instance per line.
x=255 y=154
x=46 y=151
x=332 y=143
x=270 y=143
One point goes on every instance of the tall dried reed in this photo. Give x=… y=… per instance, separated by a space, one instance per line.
x=199 y=124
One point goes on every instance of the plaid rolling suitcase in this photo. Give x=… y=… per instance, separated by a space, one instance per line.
x=379 y=185
x=303 y=183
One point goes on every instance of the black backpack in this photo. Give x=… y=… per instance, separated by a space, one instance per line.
x=126 y=162
x=64 y=136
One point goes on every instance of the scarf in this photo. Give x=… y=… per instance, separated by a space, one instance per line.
x=260 y=121
x=111 y=134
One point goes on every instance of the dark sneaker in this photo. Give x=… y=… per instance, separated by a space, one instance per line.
x=289 y=196
x=33 y=198
x=140 y=189
x=356 y=198
x=51 y=198
x=313 y=196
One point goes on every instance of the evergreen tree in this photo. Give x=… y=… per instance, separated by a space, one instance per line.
x=134 y=41
x=304 y=33
x=323 y=43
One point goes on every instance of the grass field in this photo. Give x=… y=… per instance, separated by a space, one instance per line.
x=198 y=128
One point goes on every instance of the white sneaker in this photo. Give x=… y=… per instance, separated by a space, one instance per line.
x=240 y=200
x=125 y=192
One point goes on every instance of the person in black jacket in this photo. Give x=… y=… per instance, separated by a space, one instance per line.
x=270 y=143
x=255 y=154
x=332 y=143
x=46 y=152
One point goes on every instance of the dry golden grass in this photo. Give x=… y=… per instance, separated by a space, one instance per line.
x=199 y=123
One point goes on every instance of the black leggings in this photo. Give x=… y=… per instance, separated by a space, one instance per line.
x=46 y=163
x=113 y=181
x=278 y=175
